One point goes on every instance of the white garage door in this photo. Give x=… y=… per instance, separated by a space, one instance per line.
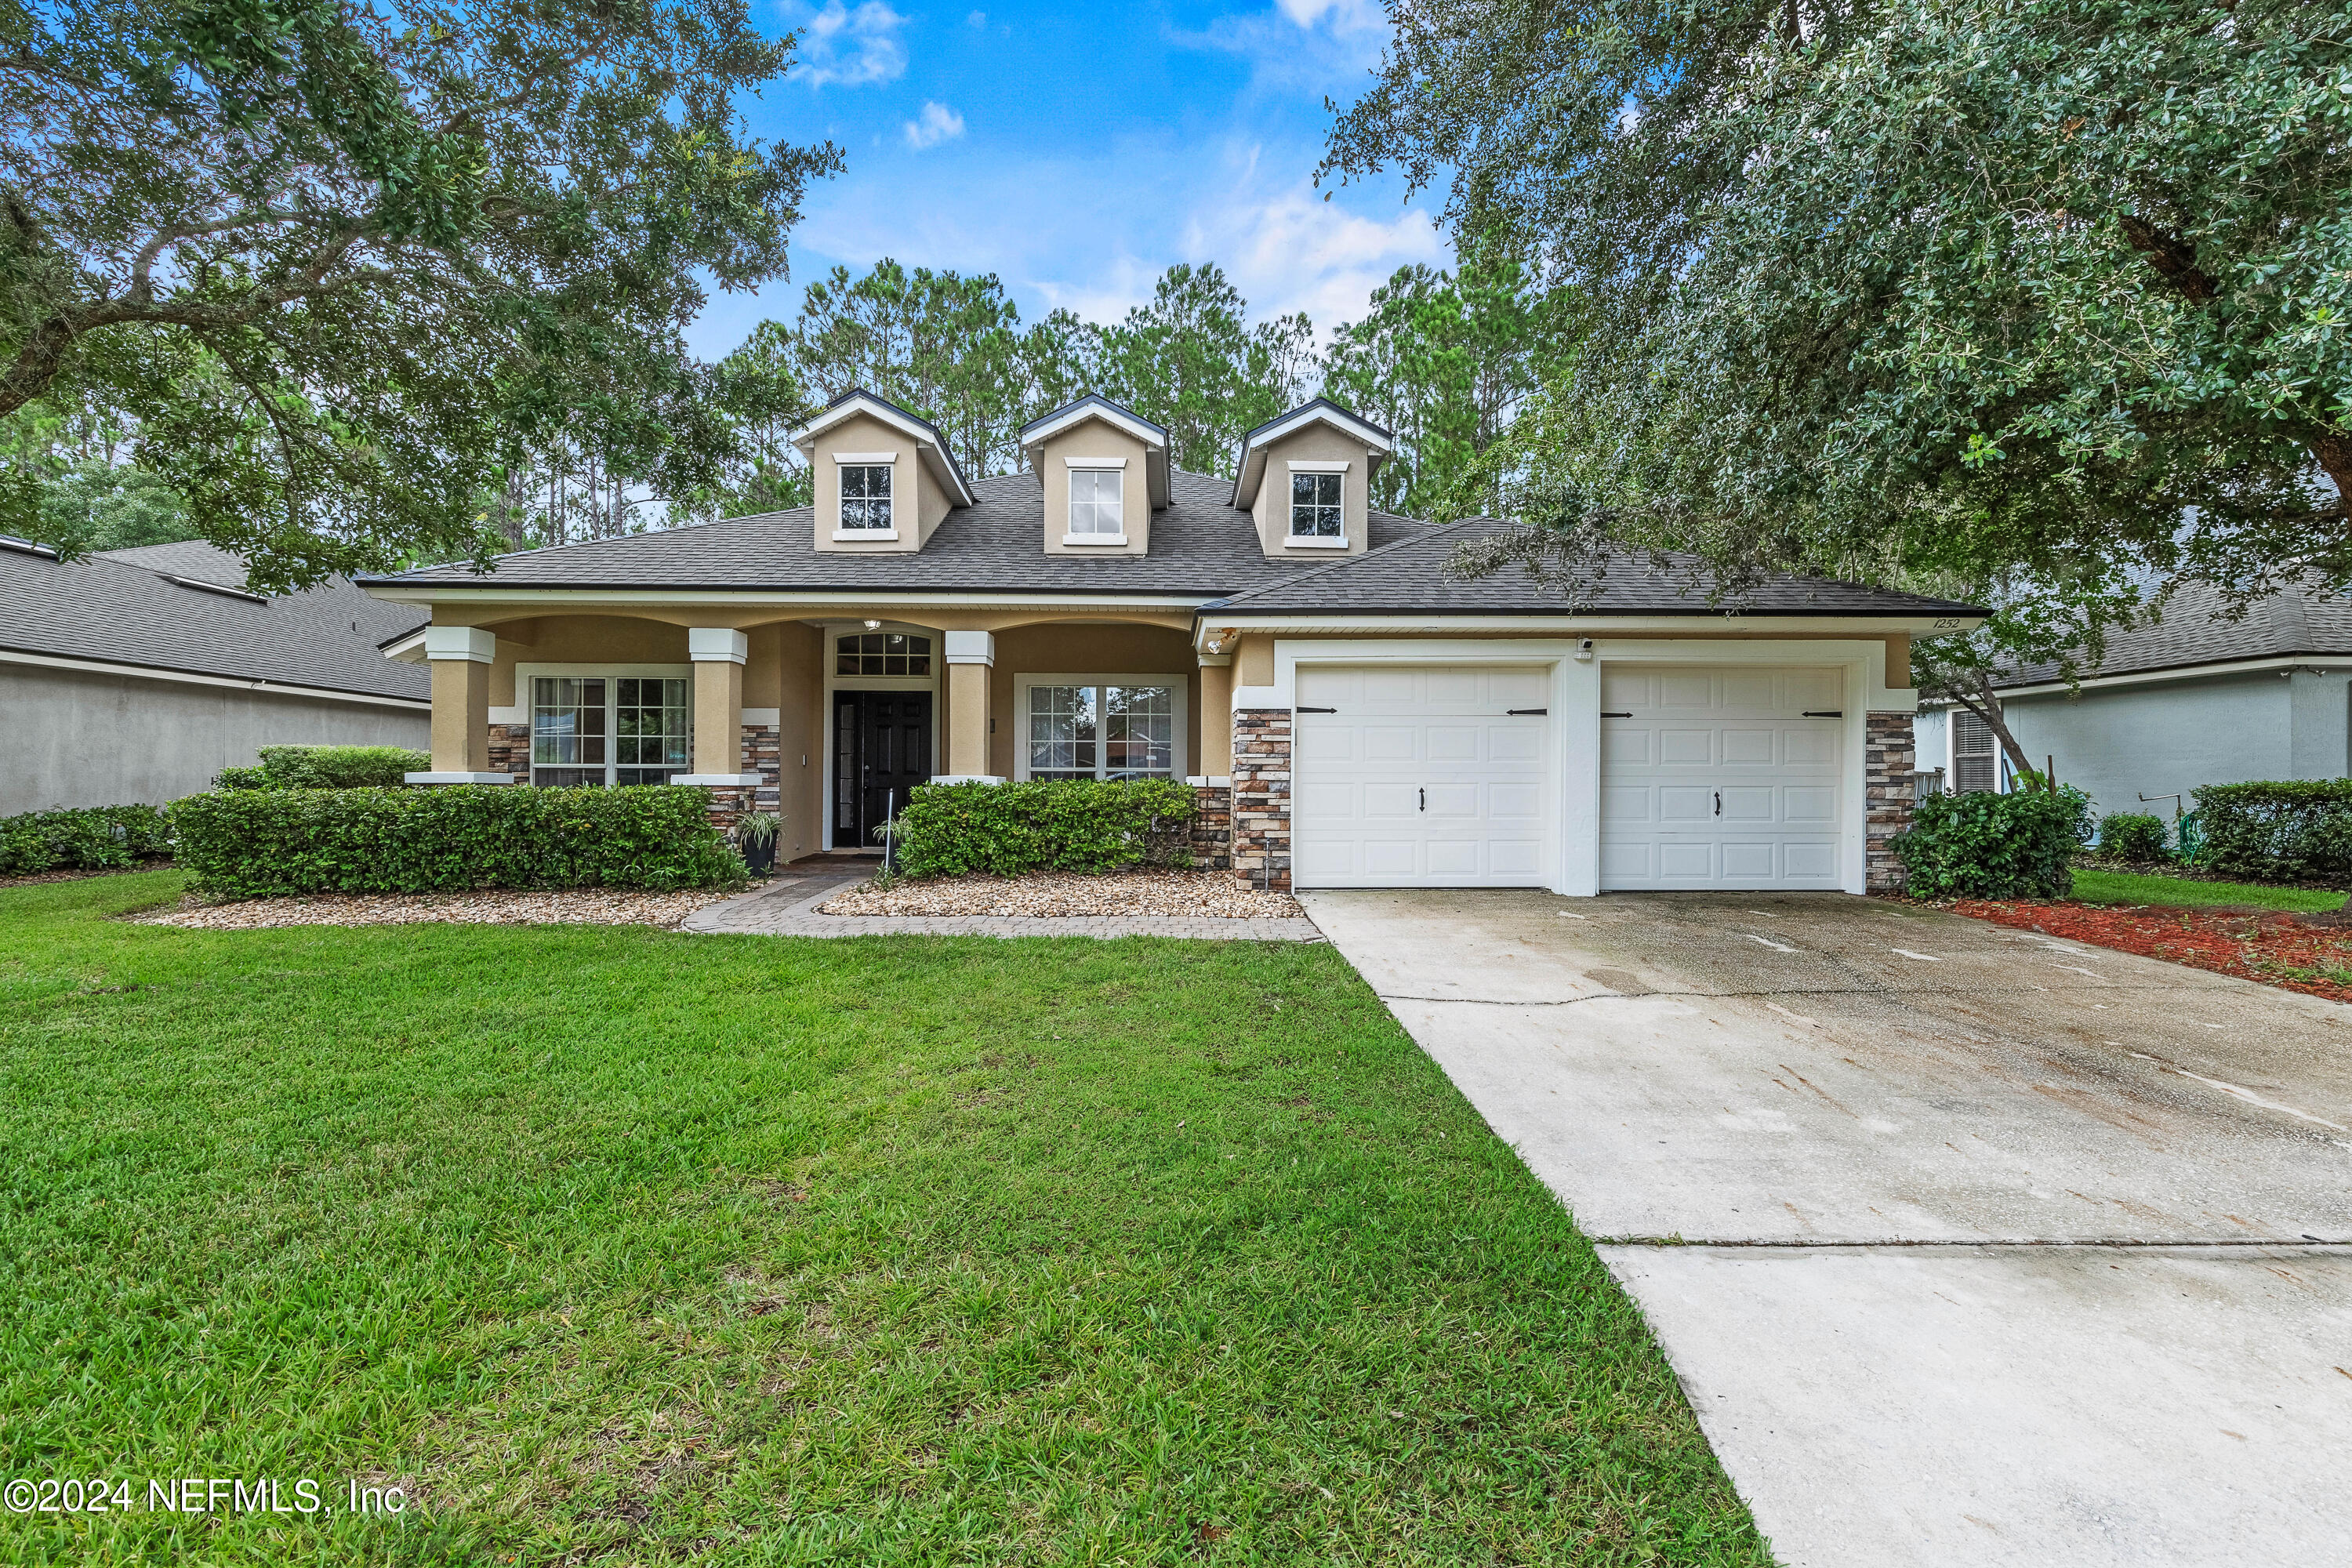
x=1420 y=775
x=1720 y=778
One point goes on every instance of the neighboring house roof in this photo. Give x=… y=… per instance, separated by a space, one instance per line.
x=1409 y=577
x=2196 y=630
x=1200 y=546
x=124 y=607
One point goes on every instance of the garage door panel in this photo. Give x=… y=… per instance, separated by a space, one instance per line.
x=1716 y=778
x=1436 y=783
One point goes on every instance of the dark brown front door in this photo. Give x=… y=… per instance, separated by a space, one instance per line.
x=881 y=749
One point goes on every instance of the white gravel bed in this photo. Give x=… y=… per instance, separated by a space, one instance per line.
x=571 y=906
x=1217 y=895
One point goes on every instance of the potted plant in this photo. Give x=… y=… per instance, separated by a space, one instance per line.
x=755 y=839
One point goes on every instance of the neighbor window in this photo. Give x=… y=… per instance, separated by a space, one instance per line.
x=1103 y=730
x=865 y=498
x=1976 y=754
x=1314 y=508
x=882 y=653
x=1094 y=502
x=601 y=730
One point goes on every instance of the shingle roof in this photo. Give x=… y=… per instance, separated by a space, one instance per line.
x=119 y=607
x=2195 y=631
x=1409 y=577
x=1200 y=545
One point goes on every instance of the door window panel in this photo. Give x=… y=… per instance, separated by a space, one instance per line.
x=882 y=653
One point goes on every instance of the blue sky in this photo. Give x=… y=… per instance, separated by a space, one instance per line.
x=1077 y=151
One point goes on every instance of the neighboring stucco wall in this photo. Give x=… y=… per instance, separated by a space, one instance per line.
x=83 y=739
x=2120 y=742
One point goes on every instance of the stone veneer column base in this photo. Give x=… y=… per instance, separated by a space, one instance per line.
x=1261 y=830
x=1212 y=826
x=1886 y=791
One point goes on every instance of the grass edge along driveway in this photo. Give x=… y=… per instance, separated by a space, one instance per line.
x=614 y=1244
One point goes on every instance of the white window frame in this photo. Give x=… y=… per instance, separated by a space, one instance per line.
x=2001 y=778
x=523 y=711
x=889 y=463
x=1299 y=541
x=1116 y=468
x=1180 y=762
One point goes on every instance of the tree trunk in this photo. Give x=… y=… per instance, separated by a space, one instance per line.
x=1987 y=707
x=2334 y=454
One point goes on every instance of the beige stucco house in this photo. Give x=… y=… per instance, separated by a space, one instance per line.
x=1350 y=715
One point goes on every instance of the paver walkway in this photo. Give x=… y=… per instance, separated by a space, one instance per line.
x=788 y=906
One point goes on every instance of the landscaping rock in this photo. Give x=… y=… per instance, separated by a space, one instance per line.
x=1053 y=894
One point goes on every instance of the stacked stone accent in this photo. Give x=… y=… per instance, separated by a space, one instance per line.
x=1261 y=809
x=1212 y=826
x=511 y=751
x=1887 y=798
x=761 y=755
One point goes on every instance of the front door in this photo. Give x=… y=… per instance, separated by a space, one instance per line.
x=881 y=749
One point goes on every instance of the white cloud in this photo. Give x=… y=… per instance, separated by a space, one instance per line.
x=977 y=19
x=936 y=123
x=1347 y=15
x=853 y=46
x=1286 y=249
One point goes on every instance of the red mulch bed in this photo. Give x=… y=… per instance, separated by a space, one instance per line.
x=2311 y=953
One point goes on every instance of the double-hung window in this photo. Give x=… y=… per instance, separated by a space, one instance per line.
x=605 y=730
x=1976 y=753
x=1117 y=728
x=1315 y=509
x=866 y=498
x=1098 y=497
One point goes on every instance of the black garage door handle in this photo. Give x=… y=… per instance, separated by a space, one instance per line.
x=1834 y=713
x=1514 y=712
x=1607 y=715
x=1318 y=710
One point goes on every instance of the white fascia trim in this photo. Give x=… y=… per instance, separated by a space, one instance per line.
x=866 y=458
x=1217 y=624
x=1094 y=462
x=272 y=687
x=2154 y=677
x=1313 y=542
x=715 y=780
x=806 y=437
x=1319 y=466
x=1086 y=539
x=432 y=778
x=867 y=535
x=409 y=649
x=852 y=602
x=1355 y=428
x=1144 y=433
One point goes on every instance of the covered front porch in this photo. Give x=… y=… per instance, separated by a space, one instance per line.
x=825 y=715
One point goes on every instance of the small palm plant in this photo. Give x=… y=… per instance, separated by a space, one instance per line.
x=755 y=836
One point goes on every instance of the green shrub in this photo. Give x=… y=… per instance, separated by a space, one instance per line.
x=2288 y=830
x=82 y=839
x=247 y=844
x=1986 y=846
x=1062 y=825
x=327 y=767
x=2134 y=835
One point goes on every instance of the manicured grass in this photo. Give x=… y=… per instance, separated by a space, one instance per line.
x=611 y=1245
x=2123 y=887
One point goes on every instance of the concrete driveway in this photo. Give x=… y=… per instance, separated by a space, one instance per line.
x=1971 y=1245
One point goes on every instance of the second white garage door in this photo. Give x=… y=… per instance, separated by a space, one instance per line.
x=1420 y=775
x=1721 y=778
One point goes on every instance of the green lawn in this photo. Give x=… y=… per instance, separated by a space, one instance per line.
x=2123 y=887
x=617 y=1245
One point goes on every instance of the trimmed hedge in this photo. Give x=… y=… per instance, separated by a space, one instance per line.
x=327 y=767
x=2134 y=835
x=1060 y=824
x=2287 y=830
x=251 y=844
x=1987 y=846
x=82 y=839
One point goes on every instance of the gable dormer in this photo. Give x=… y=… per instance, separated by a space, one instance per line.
x=1306 y=477
x=1104 y=471
x=884 y=477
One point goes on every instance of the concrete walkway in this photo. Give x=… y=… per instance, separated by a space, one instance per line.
x=1972 y=1246
x=788 y=906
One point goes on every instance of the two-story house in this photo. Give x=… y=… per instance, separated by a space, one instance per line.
x=1351 y=715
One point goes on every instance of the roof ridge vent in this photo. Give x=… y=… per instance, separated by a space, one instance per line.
x=203 y=588
x=28 y=547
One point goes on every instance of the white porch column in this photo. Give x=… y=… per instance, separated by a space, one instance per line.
x=461 y=658
x=718 y=653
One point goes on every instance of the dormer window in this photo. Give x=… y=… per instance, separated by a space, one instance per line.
x=866 y=499
x=1098 y=503
x=1315 y=511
